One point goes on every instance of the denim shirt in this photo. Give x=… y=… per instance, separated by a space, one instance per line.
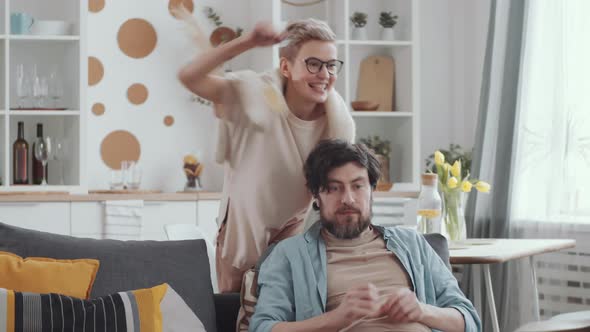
x=293 y=279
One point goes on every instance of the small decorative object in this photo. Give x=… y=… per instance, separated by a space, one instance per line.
x=221 y=34
x=193 y=169
x=387 y=21
x=364 y=105
x=359 y=20
x=382 y=149
x=454 y=182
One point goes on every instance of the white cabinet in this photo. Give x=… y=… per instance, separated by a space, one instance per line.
x=399 y=125
x=55 y=68
x=158 y=214
x=207 y=211
x=47 y=217
x=88 y=218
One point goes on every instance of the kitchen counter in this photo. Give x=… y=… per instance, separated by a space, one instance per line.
x=180 y=196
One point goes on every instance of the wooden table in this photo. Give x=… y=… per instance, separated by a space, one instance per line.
x=483 y=252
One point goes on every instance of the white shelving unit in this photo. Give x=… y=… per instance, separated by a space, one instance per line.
x=401 y=125
x=65 y=55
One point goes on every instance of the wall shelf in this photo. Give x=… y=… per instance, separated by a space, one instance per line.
x=43 y=38
x=41 y=56
x=382 y=114
x=44 y=113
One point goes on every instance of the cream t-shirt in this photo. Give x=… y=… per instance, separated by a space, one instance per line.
x=365 y=259
x=263 y=148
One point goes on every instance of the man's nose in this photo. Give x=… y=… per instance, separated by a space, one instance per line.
x=347 y=197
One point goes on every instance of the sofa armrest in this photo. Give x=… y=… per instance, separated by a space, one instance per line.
x=227 y=306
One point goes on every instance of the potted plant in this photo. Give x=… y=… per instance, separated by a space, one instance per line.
x=221 y=34
x=387 y=22
x=382 y=149
x=359 y=20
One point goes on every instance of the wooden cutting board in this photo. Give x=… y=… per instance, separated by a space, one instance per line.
x=377 y=82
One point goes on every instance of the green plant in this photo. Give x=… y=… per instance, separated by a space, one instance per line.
x=454 y=153
x=212 y=15
x=379 y=146
x=216 y=20
x=359 y=19
x=387 y=20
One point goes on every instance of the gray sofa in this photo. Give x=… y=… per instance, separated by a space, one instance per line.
x=128 y=265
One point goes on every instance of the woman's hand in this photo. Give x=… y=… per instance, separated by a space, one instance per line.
x=264 y=34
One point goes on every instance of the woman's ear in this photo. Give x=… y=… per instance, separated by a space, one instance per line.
x=285 y=67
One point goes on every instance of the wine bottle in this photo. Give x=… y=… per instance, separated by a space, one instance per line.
x=20 y=153
x=37 y=165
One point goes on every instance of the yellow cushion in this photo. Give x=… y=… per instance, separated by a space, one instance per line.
x=47 y=275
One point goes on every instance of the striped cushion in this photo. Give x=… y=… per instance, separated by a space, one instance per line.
x=137 y=310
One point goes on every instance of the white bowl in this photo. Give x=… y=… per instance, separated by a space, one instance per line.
x=46 y=27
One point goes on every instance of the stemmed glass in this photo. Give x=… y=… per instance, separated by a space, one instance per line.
x=43 y=152
x=59 y=155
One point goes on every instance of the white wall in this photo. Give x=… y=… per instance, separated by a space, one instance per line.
x=453 y=34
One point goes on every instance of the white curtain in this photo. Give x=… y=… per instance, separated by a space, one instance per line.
x=553 y=142
x=551 y=165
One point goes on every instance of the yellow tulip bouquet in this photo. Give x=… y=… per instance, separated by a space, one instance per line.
x=454 y=182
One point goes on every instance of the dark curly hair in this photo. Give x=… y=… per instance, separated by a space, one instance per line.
x=330 y=154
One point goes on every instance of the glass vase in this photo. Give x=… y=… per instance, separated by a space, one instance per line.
x=454 y=215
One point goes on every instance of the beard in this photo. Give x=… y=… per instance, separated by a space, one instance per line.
x=352 y=226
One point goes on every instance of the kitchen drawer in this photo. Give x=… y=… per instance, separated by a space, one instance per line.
x=53 y=217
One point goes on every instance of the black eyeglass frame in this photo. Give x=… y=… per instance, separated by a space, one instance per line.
x=323 y=63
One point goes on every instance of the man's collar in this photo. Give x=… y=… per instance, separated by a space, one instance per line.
x=313 y=232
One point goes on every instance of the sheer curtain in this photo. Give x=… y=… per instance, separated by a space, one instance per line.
x=551 y=165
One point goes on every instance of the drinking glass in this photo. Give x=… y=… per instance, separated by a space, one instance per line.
x=23 y=85
x=56 y=90
x=133 y=175
x=116 y=179
x=43 y=152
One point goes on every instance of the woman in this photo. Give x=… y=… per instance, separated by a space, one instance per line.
x=269 y=123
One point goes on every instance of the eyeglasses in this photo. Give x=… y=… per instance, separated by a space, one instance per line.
x=315 y=65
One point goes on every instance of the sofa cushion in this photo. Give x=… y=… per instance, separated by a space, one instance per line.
x=73 y=277
x=158 y=308
x=126 y=265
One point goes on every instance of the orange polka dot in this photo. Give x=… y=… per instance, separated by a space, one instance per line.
x=137 y=93
x=95 y=71
x=98 y=109
x=169 y=120
x=137 y=38
x=188 y=4
x=94 y=6
x=118 y=146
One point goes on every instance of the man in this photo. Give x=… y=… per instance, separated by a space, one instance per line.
x=346 y=274
x=269 y=124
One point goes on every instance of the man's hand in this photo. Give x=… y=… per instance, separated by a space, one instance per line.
x=402 y=307
x=264 y=34
x=359 y=302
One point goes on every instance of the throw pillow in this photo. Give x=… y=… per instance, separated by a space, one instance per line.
x=72 y=277
x=153 y=309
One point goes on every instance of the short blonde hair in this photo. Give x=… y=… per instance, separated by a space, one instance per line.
x=301 y=31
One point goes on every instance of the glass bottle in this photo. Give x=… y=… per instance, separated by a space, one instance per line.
x=20 y=157
x=37 y=164
x=429 y=205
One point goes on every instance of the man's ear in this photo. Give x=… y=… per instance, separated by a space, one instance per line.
x=285 y=67
x=316 y=203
